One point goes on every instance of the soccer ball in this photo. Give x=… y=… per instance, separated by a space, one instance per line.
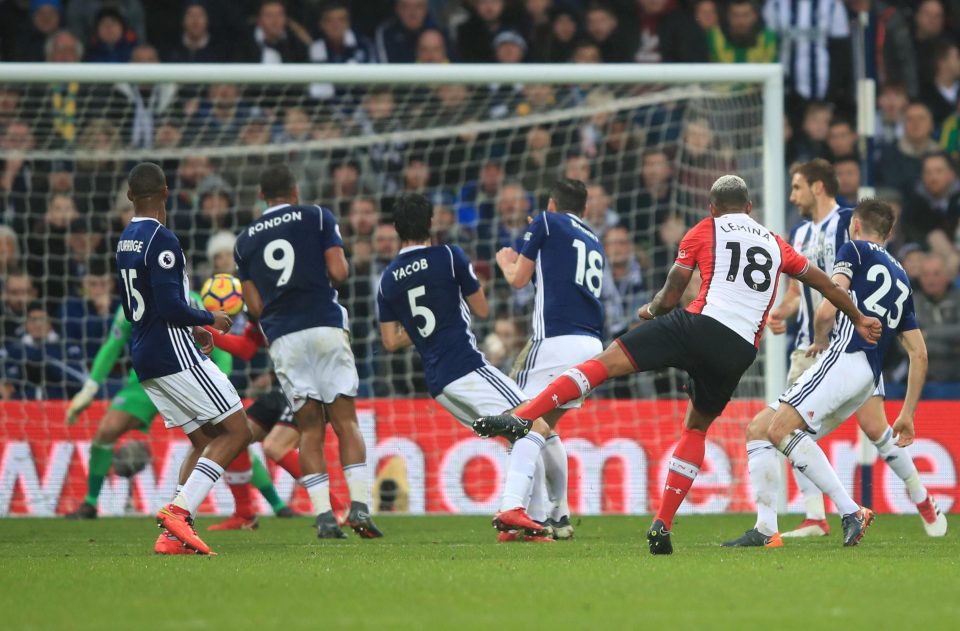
x=222 y=292
x=131 y=458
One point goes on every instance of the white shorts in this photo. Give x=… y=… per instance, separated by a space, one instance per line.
x=542 y=361
x=800 y=363
x=315 y=364
x=484 y=392
x=831 y=390
x=193 y=397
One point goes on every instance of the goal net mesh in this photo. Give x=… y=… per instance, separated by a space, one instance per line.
x=486 y=156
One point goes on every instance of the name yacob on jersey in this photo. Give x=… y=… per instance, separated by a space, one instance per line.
x=410 y=268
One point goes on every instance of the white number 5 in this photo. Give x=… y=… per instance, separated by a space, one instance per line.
x=283 y=263
x=429 y=321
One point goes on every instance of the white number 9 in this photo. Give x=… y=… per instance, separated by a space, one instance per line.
x=283 y=263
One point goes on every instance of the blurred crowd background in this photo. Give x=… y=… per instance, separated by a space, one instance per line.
x=64 y=146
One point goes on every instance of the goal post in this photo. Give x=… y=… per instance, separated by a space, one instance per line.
x=496 y=122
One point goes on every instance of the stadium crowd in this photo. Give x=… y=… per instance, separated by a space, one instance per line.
x=647 y=169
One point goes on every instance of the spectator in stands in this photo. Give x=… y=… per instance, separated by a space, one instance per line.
x=82 y=16
x=741 y=37
x=346 y=181
x=86 y=319
x=624 y=289
x=667 y=33
x=539 y=163
x=509 y=224
x=892 y=104
x=706 y=14
x=810 y=141
x=847 y=169
x=938 y=312
x=476 y=36
x=604 y=28
x=444 y=228
x=891 y=57
x=337 y=43
x=592 y=133
x=816 y=52
x=113 y=42
x=586 y=53
x=564 y=30
x=928 y=31
x=52 y=370
x=216 y=211
x=18 y=292
x=190 y=172
x=702 y=160
x=61 y=102
x=362 y=219
x=386 y=245
x=670 y=230
x=536 y=20
x=899 y=166
x=9 y=105
x=45 y=18
x=220 y=252
x=272 y=40
x=942 y=92
x=16 y=172
x=86 y=240
x=47 y=246
x=841 y=139
x=220 y=117
x=142 y=105
x=378 y=115
x=432 y=48
x=9 y=251
x=196 y=43
x=577 y=167
x=509 y=47
x=396 y=39
x=936 y=203
x=652 y=199
x=598 y=213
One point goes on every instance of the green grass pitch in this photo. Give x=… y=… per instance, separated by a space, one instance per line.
x=448 y=573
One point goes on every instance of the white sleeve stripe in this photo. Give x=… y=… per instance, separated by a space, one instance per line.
x=546 y=224
x=146 y=250
x=453 y=270
x=857 y=250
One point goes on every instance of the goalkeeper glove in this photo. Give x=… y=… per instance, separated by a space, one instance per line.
x=82 y=400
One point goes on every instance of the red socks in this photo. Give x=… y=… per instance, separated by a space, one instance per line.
x=684 y=466
x=291 y=463
x=237 y=476
x=570 y=386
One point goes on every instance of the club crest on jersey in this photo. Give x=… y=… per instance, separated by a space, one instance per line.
x=682 y=254
x=167 y=259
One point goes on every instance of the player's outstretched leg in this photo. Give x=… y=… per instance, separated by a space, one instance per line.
x=221 y=444
x=342 y=414
x=787 y=434
x=520 y=474
x=763 y=468
x=113 y=425
x=556 y=471
x=873 y=420
x=260 y=479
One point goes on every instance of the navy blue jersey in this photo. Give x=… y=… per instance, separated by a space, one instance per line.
x=881 y=289
x=424 y=289
x=282 y=252
x=155 y=292
x=568 y=277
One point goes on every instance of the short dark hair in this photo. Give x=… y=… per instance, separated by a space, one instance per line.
x=818 y=170
x=277 y=181
x=146 y=180
x=412 y=214
x=570 y=195
x=942 y=155
x=876 y=215
x=334 y=5
x=843 y=120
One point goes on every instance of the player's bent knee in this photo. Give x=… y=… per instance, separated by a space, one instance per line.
x=541 y=427
x=616 y=362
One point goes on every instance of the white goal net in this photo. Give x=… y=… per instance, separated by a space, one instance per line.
x=648 y=142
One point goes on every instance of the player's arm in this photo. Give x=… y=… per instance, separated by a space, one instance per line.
x=252 y=298
x=103 y=364
x=869 y=328
x=478 y=304
x=669 y=295
x=516 y=268
x=337 y=267
x=786 y=310
x=240 y=346
x=394 y=336
x=916 y=348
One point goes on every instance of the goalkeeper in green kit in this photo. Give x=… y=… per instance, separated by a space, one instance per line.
x=132 y=409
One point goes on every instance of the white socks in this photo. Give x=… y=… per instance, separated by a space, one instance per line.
x=812 y=497
x=198 y=485
x=902 y=464
x=537 y=504
x=523 y=464
x=357 y=482
x=764 y=470
x=809 y=459
x=554 y=456
x=318 y=487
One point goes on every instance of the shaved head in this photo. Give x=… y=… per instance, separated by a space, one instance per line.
x=146 y=180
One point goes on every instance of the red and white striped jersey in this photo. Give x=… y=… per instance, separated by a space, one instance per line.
x=740 y=263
